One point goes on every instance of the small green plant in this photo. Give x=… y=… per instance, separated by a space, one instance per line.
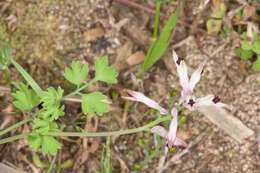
x=105 y=166
x=48 y=125
x=159 y=46
x=250 y=48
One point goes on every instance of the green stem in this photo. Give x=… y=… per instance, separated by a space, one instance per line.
x=7 y=76
x=122 y=132
x=97 y=134
x=15 y=126
x=157 y=15
x=52 y=164
x=81 y=88
x=13 y=138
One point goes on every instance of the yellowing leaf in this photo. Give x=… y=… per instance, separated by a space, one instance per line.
x=218 y=11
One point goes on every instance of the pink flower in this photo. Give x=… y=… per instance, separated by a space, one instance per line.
x=209 y=100
x=140 y=97
x=171 y=138
x=186 y=83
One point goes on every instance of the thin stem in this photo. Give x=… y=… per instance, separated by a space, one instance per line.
x=13 y=138
x=157 y=15
x=7 y=76
x=81 y=88
x=15 y=126
x=97 y=134
x=122 y=132
x=52 y=164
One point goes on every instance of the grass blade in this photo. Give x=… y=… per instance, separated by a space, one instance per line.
x=28 y=78
x=158 y=48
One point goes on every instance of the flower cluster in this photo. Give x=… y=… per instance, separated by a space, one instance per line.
x=187 y=99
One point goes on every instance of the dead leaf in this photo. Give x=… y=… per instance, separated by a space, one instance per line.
x=248 y=12
x=135 y=58
x=94 y=34
x=227 y=122
x=218 y=11
x=183 y=134
x=122 y=54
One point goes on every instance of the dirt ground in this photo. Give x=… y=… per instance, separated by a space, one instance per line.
x=47 y=35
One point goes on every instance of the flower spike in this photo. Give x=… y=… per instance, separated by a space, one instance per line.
x=140 y=97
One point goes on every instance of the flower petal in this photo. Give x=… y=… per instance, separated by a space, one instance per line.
x=140 y=97
x=160 y=131
x=182 y=71
x=173 y=127
x=195 y=77
x=209 y=100
x=180 y=143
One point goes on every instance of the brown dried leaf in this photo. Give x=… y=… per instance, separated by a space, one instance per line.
x=248 y=12
x=122 y=54
x=227 y=122
x=94 y=34
x=135 y=58
x=183 y=134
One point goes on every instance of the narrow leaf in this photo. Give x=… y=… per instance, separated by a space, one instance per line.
x=28 y=78
x=158 y=48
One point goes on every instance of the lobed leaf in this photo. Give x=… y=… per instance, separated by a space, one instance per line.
x=256 y=65
x=77 y=74
x=94 y=102
x=25 y=99
x=104 y=72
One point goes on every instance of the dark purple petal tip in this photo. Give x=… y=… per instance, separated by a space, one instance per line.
x=216 y=99
x=179 y=61
x=191 y=102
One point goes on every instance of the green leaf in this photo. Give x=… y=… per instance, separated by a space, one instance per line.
x=244 y=36
x=246 y=45
x=238 y=51
x=77 y=74
x=256 y=47
x=28 y=78
x=5 y=55
x=225 y=30
x=42 y=126
x=38 y=162
x=256 y=65
x=246 y=54
x=104 y=72
x=158 y=48
x=50 y=145
x=25 y=99
x=218 y=11
x=94 y=102
x=51 y=104
x=34 y=141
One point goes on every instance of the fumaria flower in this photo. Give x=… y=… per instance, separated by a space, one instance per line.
x=171 y=138
x=209 y=100
x=140 y=97
x=187 y=99
x=186 y=83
